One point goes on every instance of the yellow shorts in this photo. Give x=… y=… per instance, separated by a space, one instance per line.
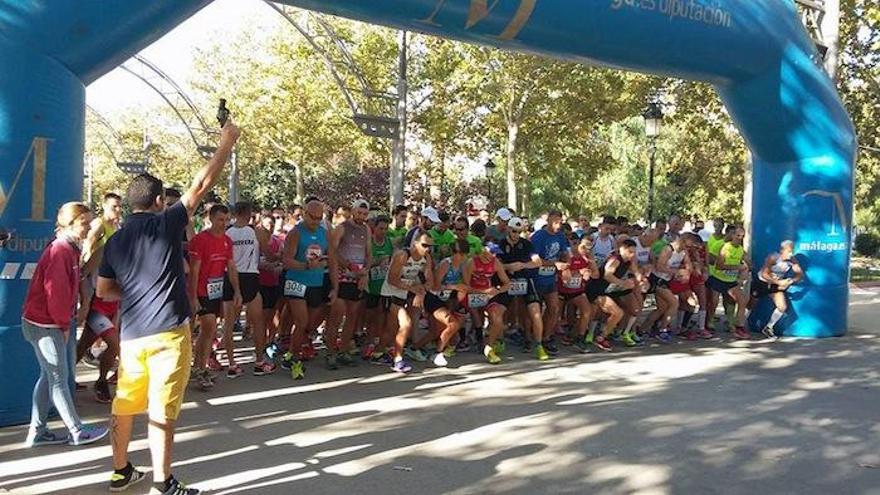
x=153 y=373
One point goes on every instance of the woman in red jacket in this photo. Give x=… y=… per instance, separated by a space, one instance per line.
x=48 y=322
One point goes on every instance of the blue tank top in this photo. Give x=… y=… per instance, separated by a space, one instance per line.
x=310 y=245
x=453 y=276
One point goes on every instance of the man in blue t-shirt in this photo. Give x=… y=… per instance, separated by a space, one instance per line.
x=143 y=268
x=552 y=246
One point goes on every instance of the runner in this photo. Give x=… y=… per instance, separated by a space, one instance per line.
x=731 y=264
x=780 y=271
x=311 y=281
x=698 y=256
x=101 y=318
x=397 y=230
x=213 y=279
x=672 y=263
x=429 y=217
x=443 y=237
x=351 y=243
x=572 y=289
x=246 y=254
x=410 y=277
x=603 y=240
x=498 y=231
x=155 y=348
x=462 y=232
x=271 y=249
x=612 y=287
x=487 y=284
x=552 y=247
x=713 y=249
x=382 y=249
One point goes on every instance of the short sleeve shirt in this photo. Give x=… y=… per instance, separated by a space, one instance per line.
x=214 y=253
x=145 y=257
x=521 y=252
x=549 y=247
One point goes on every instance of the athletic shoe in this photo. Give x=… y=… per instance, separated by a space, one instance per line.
x=741 y=333
x=368 y=351
x=415 y=354
x=45 y=438
x=603 y=344
x=234 y=371
x=449 y=352
x=330 y=360
x=462 y=346
x=707 y=334
x=769 y=333
x=102 y=392
x=381 y=359
x=121 y=482
x=664 y=337
x=287 y=361
x=204 y=380
x=401 y=367
x=297 y=370
x=628 y=340
x=591 y=336
x=581 y=346
x=213 y=364
x=440 y=360
x=272 y=350
x=90 y=360
x=309 y=352
x=541 y=353
x=637 y=338
x=88 y=434
x=345 y=359
x=691 y=335
x=176 y=488
x=527 y=346
x=500 y=346
x=262 y=368
x=550 y=347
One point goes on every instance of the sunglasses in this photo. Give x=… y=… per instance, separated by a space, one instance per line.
x=427 y=246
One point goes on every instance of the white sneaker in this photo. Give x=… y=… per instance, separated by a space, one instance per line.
x=416 y=354
x=440 y=360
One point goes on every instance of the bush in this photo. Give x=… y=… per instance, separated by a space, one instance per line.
x=867 y=244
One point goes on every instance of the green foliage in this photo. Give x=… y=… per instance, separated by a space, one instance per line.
x=867 y=244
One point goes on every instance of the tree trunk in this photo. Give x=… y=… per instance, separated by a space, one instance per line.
x=512 y=133
x=300 y=187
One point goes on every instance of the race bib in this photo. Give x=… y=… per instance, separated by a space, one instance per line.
x=547 y=271
x=574 y=282
x=518 y=287
x=476 y=301
x=215 y=289
x=379 y=272
x=292 y=288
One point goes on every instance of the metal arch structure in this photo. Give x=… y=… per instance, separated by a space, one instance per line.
x=113 y=132
x=374 y=112
x=378 y=114
x=182 y=105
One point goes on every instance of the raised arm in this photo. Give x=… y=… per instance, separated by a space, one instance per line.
x=208 y=175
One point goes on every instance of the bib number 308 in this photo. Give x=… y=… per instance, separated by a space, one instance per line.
x=293 y=288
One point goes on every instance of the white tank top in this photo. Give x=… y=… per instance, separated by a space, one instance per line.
x=643 y=254
x=674 y=263
x=409 y=275
x=245 y=249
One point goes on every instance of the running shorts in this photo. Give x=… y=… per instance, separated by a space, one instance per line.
x=349 y=291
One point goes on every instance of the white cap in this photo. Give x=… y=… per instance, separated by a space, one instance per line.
x=504 y=214
x=539 y=224
x=360 y=203
x=431 y=214
x=516 y=224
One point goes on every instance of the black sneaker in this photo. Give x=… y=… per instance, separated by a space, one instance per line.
x=331 y=361
x=121 y=482
x=550 y=347
x=581 y=345
x=346 y=360
x=176 y=488
x=102 y=392
x=527 y=346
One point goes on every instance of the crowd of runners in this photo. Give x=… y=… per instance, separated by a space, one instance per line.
x=162 y=293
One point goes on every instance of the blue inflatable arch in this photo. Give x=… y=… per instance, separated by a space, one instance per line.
x=756 y=53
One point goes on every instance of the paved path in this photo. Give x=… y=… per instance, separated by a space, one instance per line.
x=798 y=416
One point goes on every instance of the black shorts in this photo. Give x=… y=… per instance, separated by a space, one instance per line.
x=270 y=295
x=249 y=285
x=568 y=296
x=433 y=303
x=228 y=293
x=720 y=286
x=209 y=307
x=315 y=297
x=376 y=301
x=349 y=291
x=657 y=283
x=762 y=289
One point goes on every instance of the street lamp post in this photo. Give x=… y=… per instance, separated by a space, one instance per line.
x=490 y=169
x=653 y=116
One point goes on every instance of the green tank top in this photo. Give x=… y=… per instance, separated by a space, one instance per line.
x=713 y=247
x=381 y=261
x=733 y=255
x=109 y=230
